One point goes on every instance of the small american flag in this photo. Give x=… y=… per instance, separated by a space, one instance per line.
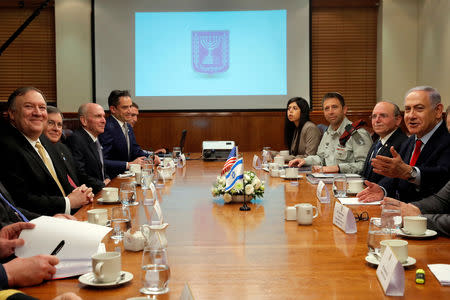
x=230 y=160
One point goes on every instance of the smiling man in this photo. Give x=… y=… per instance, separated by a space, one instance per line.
x=344 y=145
x=422 y=166
x=386 y=118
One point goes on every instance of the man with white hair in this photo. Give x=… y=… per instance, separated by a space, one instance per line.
x=422 y=166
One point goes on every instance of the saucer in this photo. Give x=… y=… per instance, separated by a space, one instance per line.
x=284 y=176
x=429 y=233
x=101 y=201
x=374 y=261
x=89 y=279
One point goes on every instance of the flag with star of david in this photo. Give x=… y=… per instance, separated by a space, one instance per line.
x=235 y=175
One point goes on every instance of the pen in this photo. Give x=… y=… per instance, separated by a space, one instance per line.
x=58 y=248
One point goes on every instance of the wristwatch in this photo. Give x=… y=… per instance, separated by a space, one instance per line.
x=412 y=174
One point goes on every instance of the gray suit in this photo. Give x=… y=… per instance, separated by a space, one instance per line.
x=436 y=209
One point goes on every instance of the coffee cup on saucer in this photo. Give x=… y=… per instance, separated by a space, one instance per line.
x=291 y=173
x=106 y=266
x=98 y=216
x=355 y=186
x=135 y=168
x=398 y=247
x=415 y=225
x=279 y=160
x=110 y=194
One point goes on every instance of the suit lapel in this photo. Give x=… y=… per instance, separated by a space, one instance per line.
x=431 y=145
x=122 y=142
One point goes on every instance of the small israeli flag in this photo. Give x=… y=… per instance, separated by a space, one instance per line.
x=235 y=175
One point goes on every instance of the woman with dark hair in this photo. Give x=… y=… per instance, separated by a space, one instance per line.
x=302 y=137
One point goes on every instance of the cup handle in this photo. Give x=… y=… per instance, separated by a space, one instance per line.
x=317 y=212
x=98 y=270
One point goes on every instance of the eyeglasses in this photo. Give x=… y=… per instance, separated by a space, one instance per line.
x=364 y=216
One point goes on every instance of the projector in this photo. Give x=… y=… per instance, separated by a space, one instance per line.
x=212 y=150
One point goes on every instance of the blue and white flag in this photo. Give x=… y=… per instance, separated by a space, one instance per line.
x=236 y=175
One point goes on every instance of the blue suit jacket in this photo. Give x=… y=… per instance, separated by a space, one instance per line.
x=115 y=151
x=433 y=163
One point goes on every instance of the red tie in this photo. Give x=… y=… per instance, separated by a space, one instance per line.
x=416 y=153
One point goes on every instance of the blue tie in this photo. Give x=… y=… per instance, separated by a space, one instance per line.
x=15 y=209
x=376 y=148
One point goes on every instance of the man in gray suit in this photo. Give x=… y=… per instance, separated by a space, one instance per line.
x=435 y=208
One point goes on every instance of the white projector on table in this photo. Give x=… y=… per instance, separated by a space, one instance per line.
x=212 y=150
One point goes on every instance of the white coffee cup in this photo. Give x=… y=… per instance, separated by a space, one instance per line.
x=138 y=175
x=291 y=173
x=279 y=160
x=305 y=214
x=355 y=186
x=415 y=225
x=98 y=216
x=110 y=194
x=398 y=247
x=284 y=153
x=106 y=266
x=135 y=168
x=272 y=166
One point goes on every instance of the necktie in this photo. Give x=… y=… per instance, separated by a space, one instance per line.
x=416 y=153
x=125 y=132
x=49 y=166
x=15 y=209
x=100 y=154
x=376 y=148
x=368 y=168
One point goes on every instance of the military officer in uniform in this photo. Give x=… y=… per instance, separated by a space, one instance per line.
x=344 y=145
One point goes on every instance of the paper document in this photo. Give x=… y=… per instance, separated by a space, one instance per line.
x=331 y=175
x=441 y=272
x=81 y=241
x=355 y=201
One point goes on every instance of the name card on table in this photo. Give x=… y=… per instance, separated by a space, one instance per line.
x=320 y=188
x=343 y=218
x=181 y=161
x=186 y=294
x=391 y=274
x=256 y=162
x=158 y=212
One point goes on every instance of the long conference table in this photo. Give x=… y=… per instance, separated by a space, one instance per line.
x=224 y=253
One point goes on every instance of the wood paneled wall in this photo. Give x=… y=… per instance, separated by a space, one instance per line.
x=251 y=130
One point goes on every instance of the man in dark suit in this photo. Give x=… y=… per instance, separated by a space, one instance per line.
x=9 y=213
x=53 y=131
x=422 y=166
x=86 y=148
x=120 y=148
x=35 y=176
x=386 y=118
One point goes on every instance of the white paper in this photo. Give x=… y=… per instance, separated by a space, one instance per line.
x=343 y=218
x=331 y=175
x=320 y=187
x=187 y=293
x=158 y=212
x=441 y=272
x=391 y=274
x=355 y=201
x=81 y=241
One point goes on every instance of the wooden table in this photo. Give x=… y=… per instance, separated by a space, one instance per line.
x=227 y=254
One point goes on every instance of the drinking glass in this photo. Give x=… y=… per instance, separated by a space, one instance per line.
x=376 y=234
x=155 y=271
x=266 y=155
x=391 y=218
x=340 y=186
x=176 y=152
x=158 y=178
x=127 y=194
x=146 y=176
x=120 y=221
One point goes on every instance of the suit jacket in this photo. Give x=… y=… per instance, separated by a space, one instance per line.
x=436 y=209
x=28 y=180
x=7 y=214
x=433 y=163
x=308 y=141
x=395 y=140
x=115 y=150
x=89 y=165
x=69 y=162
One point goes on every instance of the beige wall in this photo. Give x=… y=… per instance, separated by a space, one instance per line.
x=73 y=53
x=413 y=49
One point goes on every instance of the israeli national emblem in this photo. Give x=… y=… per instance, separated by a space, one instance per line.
x=210 y=51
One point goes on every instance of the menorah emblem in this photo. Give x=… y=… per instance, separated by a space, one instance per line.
x=210 y=51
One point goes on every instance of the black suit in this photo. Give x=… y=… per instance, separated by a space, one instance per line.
x=27 y=178
x=7 y=214
x=433 y=163
x=395 y=140
x=69 y=162
x=87 y=159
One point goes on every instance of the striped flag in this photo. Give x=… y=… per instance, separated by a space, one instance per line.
x=230 y=161
x=235 y=175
